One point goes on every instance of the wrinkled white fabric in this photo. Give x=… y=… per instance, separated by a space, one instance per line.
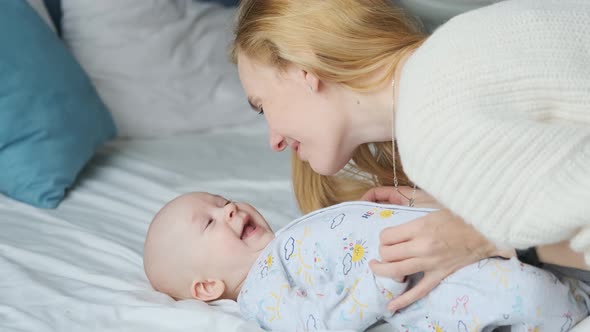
x=493 y=120
x=315 y=276
x=79 y=267
x=162 y=67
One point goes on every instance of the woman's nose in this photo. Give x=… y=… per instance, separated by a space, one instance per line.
x=277 y=142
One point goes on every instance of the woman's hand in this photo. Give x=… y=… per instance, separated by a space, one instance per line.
x=391 y=196
x=437 y=244
x=562 y=254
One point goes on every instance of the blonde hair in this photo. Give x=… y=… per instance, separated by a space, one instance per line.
x=356 y=43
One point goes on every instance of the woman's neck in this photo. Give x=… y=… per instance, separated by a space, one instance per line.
x=374 y=121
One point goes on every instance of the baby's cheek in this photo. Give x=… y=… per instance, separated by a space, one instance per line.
x=230 y=245
x=233 y=253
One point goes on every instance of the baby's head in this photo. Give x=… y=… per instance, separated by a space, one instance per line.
x=201 y=246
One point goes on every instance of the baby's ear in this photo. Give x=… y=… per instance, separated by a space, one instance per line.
x=207 y=290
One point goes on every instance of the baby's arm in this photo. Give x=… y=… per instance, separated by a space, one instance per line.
x=350 y=305
x=278 y=307
x=493 y=293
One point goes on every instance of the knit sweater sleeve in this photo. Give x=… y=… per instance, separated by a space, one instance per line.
x=493 y=120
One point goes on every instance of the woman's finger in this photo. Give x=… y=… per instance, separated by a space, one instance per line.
x=385 y=270
x=383 y=194
x=376 y=194
x=422 y=288
x=400 y=251
x=399 y=270
x=401 y=233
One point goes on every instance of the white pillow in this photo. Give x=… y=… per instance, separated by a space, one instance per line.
x=161 y=66
x=40 y=8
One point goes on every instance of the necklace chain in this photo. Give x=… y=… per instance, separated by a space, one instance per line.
x=412 y=198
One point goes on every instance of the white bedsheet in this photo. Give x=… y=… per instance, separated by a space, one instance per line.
x=79 y=267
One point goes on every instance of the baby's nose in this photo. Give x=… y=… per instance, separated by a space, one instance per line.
x=230 y=211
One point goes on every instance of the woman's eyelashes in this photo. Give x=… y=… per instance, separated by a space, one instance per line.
x=255 y=105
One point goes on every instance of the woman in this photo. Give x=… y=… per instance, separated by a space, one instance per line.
x=491 y=114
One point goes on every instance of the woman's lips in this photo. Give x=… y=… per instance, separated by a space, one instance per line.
x=295 y=147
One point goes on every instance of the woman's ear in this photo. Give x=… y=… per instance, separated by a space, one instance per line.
x=302 y=76
x=312 y=81
x=207 y=290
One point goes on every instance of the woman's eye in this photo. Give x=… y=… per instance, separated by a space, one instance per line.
x=209 y=222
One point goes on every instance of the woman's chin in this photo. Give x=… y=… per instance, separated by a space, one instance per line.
x=327 y=169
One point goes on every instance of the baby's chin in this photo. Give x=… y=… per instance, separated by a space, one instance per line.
x=265 y=240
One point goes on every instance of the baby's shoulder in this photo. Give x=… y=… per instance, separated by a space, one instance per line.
x=352 y=215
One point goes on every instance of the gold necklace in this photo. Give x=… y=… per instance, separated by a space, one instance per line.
x=412 y=198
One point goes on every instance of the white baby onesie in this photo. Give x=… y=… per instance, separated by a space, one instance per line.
x=315 y=276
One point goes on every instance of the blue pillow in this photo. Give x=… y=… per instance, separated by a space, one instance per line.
x=51 y=118
x=54 y=9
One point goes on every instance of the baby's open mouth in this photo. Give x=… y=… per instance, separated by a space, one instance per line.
x=248 y=229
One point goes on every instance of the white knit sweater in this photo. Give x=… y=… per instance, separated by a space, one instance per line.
x=493 y=119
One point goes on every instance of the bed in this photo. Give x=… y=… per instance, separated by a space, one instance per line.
x=74 y=263
x=78 y=267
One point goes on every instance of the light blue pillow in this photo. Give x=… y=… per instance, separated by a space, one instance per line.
x=51 y=118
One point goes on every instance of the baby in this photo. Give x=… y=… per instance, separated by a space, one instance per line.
x=314 y=274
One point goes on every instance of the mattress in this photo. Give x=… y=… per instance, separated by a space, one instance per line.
x=79 y=267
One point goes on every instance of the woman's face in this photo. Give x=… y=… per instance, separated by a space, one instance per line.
x=302 y=113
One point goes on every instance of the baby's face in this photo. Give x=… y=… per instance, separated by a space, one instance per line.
x=225 y=235
x=204 y=236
